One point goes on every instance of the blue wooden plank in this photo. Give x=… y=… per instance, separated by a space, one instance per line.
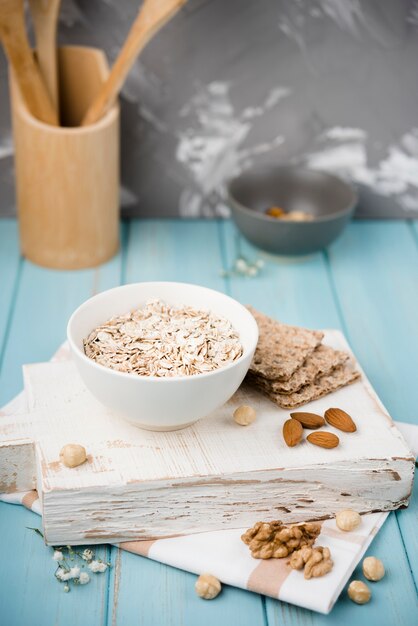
x=414 y=229
x=143 y=591
x=374 y=273
x=44 y=301
x=294 y=290
x=185 y=251
x=408 y=524
x=30 y=594
x=9 y=272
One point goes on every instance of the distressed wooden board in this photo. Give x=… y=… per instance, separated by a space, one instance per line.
x=17 y=465
x=215 y=474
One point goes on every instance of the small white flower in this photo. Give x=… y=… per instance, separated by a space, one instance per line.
x=84 y=578
x=241 y=265
x=60 y=573
x=97 y=566
x=87 y=554
x=74 y=572
x=66 y=588
x=58 y=555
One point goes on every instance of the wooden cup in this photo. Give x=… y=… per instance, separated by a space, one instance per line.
x=67 y=178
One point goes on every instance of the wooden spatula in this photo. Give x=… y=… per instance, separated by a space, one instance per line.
x=28 y=77
x=151 y=17
x=45 y=18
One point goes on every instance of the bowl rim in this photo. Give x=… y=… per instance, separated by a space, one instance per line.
x=156 y=379
x=269 y=219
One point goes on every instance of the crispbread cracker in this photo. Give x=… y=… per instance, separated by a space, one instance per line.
x=281 y=348
x=322 y=361
x=339 y=377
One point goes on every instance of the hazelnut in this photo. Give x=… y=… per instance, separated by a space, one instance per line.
x=207 y=586
x=73 y=455
x=359 y=592
x=348 y=520
x=244 y=415
x=373 y=568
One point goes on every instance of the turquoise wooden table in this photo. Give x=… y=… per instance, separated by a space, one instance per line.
x=366 y=284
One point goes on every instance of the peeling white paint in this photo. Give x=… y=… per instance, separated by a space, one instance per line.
x=348 y=159
x=261 y=148
x=211 y=149
x=345 y=133
x=395 y=175
x=345 y=13
x=401 y=167
x=413 y=14
x=274 y=97
x=409 y=202
x=127 y=197
x=410 y=141
x=6 y=147
x=149 y=115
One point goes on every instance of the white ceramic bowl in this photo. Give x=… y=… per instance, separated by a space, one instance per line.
x=161 y=403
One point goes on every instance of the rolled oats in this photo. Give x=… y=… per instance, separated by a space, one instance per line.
x=165 y=341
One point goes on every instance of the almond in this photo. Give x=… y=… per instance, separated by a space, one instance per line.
x=292 y=432
x=341 y=420
x=323 y=439
x=308 y=420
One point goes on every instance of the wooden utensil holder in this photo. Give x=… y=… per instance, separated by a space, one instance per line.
x=67 y=178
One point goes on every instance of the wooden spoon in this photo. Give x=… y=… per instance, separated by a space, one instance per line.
x=151 y=17
x=15 y=42
x=45 y=18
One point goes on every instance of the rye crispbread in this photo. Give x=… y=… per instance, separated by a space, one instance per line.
x=322 y=361
x=339 y=377
x=281 y=348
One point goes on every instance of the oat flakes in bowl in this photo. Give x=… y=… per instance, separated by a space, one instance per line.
x=164 y=341
x=136 y=388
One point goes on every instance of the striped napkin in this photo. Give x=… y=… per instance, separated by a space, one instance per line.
x=223 y=554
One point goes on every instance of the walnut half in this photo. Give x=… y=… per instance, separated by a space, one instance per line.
x=274 y=540
x=315 y=562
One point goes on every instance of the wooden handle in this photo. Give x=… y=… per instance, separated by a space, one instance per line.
x=28 y=76
x=45 y=17
x=151 y=17
x=67 y=179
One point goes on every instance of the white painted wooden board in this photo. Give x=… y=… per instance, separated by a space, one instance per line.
x=212 y=475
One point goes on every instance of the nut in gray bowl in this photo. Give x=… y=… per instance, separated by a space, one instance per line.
x=328 y=201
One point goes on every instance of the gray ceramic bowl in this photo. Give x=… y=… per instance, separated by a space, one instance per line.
x=330 y=200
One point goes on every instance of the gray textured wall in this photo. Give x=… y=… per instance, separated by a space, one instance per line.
x=330 y=83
